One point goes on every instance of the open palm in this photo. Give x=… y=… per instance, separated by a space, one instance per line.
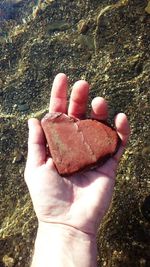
x=80 y=200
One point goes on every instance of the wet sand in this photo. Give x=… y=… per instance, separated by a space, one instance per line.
x=108 y=45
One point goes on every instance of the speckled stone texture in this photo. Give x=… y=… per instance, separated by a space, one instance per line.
x=75 y=144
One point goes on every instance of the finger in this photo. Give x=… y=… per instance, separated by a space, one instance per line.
x=123 y=130
x=58 y=100
x=122 y=127
x=78 y=99
x=99 y=109
x=36 y=144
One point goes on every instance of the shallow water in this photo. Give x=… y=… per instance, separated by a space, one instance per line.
x=109 y=47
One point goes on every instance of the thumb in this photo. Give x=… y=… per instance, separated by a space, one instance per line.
x=36 y=144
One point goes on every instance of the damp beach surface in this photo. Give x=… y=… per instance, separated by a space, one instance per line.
x=106 y=43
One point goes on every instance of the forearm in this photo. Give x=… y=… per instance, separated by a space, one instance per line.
x=63 y=246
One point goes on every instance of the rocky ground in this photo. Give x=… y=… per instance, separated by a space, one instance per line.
x=107 y=43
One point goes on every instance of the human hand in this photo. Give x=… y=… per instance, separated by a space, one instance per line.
x=81 y=200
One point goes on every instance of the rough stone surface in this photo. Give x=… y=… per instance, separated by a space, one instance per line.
x=75 y=144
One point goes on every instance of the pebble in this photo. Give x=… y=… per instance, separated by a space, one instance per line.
x=21 y=171
x=23 y=107
x=18 y=157
x=142 y=262
x=146 y=151
x=82 y=26
x=8 y=261
x=147 y=9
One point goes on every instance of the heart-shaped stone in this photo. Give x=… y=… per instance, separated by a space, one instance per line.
x=75 y=144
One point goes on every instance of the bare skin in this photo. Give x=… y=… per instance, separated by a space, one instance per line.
x=76 y=204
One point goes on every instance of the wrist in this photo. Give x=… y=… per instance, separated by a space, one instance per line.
x=62 y=245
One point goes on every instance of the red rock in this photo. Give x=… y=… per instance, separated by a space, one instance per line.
x=75 y=144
